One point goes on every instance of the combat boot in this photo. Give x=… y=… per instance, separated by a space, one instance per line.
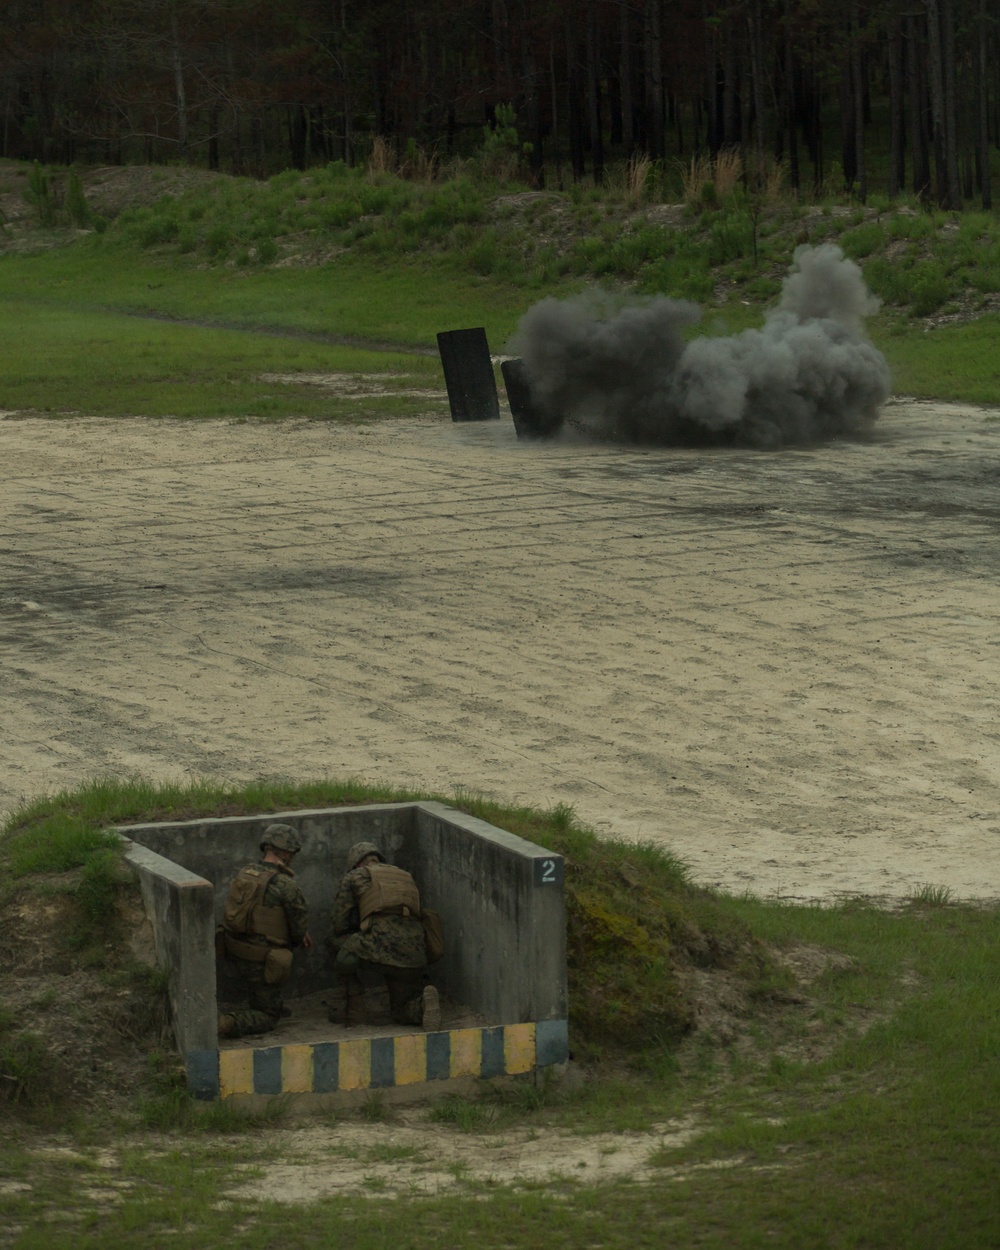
x=355 y=1003
x=348 y=1005
x=227 y=1024
x=336 y=1008
x=430 y=1015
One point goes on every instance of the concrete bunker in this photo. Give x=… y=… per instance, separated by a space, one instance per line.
x=502 y=978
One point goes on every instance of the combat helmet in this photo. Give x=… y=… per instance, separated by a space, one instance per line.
x=283 y=837
x=358 y=851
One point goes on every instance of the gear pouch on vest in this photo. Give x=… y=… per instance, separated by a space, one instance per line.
x=277 y=966
x=246 y=891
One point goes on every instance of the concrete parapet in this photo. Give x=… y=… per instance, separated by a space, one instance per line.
x=180 y=907
x=501 y=899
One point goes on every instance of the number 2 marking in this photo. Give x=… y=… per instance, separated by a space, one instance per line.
x=548 y=870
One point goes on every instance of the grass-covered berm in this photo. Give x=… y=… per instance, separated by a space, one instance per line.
x=83 y=1013
x=745 y=1072
x=637 y=931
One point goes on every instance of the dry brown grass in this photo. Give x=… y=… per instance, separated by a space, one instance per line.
x=727 y=171
x=629 y=179
x=694 y=176
x=381 y=159
x=416 y=165
x=767 y=177
x=419 y=165
x=722 y=173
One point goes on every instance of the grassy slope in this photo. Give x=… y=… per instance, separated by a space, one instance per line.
x=396 y=262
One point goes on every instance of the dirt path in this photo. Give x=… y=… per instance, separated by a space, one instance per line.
x=784 y=665
x=413 y=1156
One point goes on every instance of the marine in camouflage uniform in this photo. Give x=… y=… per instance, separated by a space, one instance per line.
x=282 y=926
x=376 y=924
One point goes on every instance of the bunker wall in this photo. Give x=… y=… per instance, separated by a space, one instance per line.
x=502 y=903
x=179 y=904
x=217 y=849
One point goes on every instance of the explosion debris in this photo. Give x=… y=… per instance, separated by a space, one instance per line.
x=626 y=374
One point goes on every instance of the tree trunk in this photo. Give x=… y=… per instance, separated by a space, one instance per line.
x=982 y=96
x=936 y=75
x=951 y=109
x=533 y=118
x=654 y=80
x=730 y=100
x=755 y=20
x=918 y=109
x=789 y=102
x=897 y=154
x=576 y=137
x=554 y=87
x=213 y=137
x=178 y=66
x=713 y=84
x=858 y=89
x=954 y=190
x=625 y=78
x=297 y=136
x=594 y=97
x=848 y=121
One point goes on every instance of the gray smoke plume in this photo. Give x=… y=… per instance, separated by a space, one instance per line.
x=627 y=374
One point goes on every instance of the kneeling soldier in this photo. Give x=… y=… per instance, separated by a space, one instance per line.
x=376 y=922
x=265 y=919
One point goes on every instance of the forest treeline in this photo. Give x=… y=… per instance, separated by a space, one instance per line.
x=899 y=94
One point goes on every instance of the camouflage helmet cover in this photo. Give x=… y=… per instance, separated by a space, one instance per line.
x=358 y=851
x=283 y=837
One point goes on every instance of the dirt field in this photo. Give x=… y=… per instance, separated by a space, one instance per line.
x=783 y=665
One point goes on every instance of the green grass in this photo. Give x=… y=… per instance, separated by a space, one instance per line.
x=105 y=363
x=69 y=360
x=952 y=362
x=386 y=260
x=354 y=295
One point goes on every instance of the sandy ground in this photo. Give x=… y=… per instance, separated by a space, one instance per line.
x=781 y=665
x=411 y=1156
x=406 y=1157
x=310 y=1023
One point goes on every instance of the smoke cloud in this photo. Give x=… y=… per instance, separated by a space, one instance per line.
x=626 y=374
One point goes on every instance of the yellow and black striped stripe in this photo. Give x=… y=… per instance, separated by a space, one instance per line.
x=378 y=1062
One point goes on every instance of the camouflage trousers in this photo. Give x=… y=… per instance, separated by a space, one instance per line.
x=405 y=985
x=264 y=1002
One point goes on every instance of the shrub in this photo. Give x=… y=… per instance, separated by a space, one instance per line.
x=502 y=151
x=683 y=276
x=891 y=281
x=160 y=228
x=25 y=1069
x=931 y=289
x=40 y=194
x=863 y=240
x=910 y=226
x=985 y=278
x=730 y=238
x=218 y=240
x=77 y=207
